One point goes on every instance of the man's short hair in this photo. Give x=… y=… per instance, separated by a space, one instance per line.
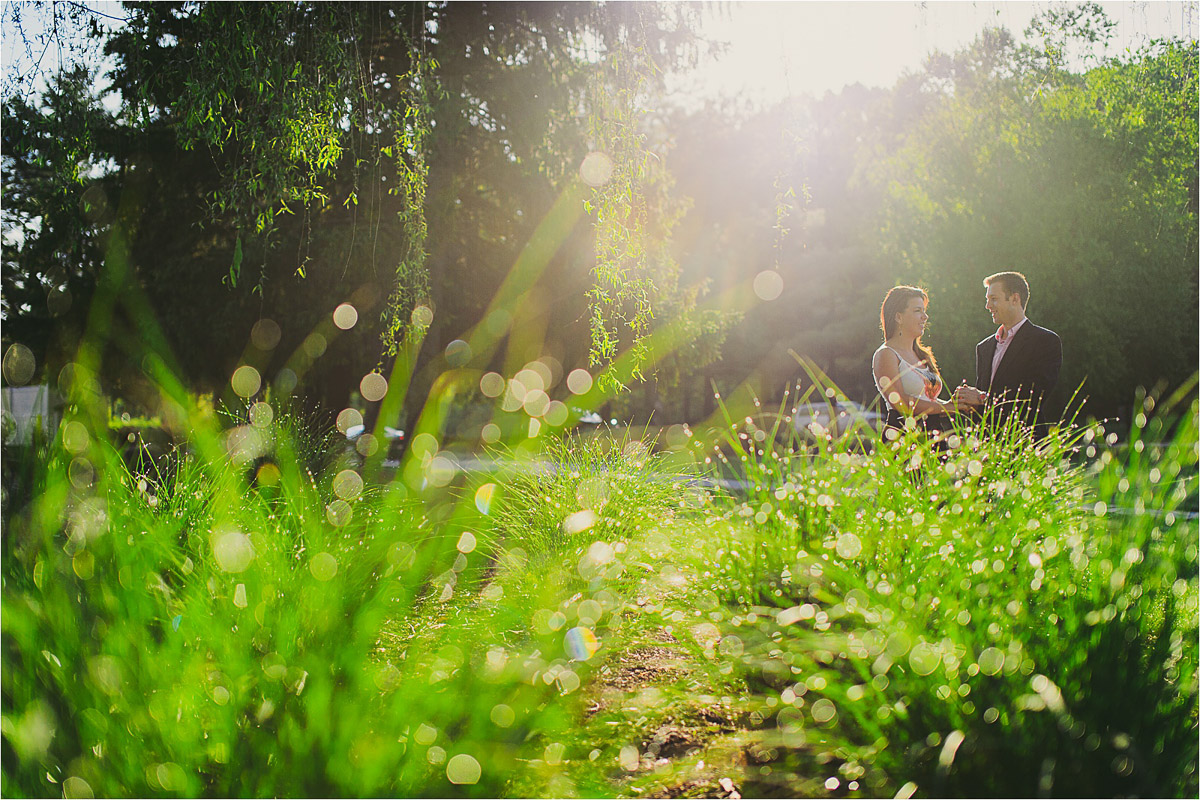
x=1011 y=283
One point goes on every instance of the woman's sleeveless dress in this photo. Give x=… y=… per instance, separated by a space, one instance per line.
x=913 y=381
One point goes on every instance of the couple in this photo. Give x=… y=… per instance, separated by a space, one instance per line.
x=1017 y=366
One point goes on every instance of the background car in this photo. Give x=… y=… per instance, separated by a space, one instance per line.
x=394 y=436
x=837 y=416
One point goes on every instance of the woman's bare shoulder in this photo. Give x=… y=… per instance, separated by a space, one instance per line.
x=885 y=352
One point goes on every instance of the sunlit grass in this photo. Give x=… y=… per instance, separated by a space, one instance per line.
x=965 y=621
x=265 y=610
x=862 y=616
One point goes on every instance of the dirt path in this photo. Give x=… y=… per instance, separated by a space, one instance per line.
x=654 y=695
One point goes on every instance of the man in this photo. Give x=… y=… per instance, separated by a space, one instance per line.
x=1017 y=366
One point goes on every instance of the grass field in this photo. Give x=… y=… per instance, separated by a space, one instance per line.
x=868 y=618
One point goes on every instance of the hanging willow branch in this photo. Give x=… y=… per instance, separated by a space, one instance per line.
x=407 y=314
x=621 y=300
x=635 y=277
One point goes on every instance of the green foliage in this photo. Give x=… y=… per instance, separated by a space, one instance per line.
x=353 y=145
x=266 y=84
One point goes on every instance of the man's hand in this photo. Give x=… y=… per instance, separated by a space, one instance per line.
x=968 y=395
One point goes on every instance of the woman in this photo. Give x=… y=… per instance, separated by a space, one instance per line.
x=905 y=371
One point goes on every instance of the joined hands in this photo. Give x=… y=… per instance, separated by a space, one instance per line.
x=968 y=395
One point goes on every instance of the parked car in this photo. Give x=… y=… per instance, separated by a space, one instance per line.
x=837 y=416
x=394 y=436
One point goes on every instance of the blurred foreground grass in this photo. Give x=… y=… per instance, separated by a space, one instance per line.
x=869 y=618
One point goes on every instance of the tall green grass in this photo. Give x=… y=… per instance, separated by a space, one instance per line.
x=993 y=615
x=985 y=615
x=243 y=625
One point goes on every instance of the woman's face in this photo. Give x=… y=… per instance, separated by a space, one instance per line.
x=912 y=320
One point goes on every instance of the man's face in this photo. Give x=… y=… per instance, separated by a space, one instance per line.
x=1005 y=308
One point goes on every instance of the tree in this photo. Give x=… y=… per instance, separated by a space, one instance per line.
x=357 y=145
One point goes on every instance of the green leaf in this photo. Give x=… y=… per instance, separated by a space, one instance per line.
x=235 y=269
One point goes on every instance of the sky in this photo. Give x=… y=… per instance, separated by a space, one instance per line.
x=781 y=49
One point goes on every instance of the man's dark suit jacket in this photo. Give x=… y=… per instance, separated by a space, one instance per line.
x=1026 y=376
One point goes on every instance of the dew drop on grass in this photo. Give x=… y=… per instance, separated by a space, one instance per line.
x=580 y=643
x=849 y=545
x=323 y=566
x=824 y=711
x=347 y=419
x=579 y=521
x=339 y=513
x=231 y=549
x=347 y=484
x=373 y=387
x=75 y=786
x=265 y=334
x=596 y=169
x=503 y=716
x=245 y=381
x=579 y=381
x=463 y=769
x=345 y=316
